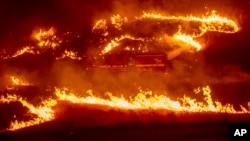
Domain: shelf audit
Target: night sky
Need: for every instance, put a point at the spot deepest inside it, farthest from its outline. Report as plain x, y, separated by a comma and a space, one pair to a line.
20, 18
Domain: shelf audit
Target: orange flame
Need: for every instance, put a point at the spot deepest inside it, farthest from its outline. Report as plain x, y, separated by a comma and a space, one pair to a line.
115, 42
118, 21
18, 81
48, 39
188, 40
146, 100
100, 24
143, 100
44, 112
70, 54
212, 22
26, 49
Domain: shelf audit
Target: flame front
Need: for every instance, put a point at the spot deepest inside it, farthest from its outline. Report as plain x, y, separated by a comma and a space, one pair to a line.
212, 22
43, 112
70, 54
46, 40
143, 100
115, 42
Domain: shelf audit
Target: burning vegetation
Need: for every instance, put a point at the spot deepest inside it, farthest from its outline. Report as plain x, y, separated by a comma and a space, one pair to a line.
142, 42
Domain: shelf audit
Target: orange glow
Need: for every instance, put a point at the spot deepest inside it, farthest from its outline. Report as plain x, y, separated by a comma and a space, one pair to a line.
143, 100
18, 81
148, 100
100, 24
48, 39
115, 42
118, 21
212, 22
43, 112
69, 54
26, 49
188, 40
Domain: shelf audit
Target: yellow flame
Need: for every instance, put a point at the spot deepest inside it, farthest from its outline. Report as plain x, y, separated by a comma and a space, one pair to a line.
143, 100
146, 100
100, 24
212, 22
116, 42
24, 50
118, 21
188, 40
43, 112
70, 54
18, 81
48, 38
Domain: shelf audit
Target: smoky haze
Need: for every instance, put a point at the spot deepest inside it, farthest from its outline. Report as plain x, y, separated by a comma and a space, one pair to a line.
225, 58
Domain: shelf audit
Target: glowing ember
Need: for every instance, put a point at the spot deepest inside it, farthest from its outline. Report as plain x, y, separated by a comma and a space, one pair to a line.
143, 100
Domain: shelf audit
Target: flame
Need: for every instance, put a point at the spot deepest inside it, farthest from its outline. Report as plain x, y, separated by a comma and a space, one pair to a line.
43, 112
48, 39
143, 100
100, 24
18, 81
146, 100
188, 40
118, 21
24, 50
70, 54
212, 22
115, 42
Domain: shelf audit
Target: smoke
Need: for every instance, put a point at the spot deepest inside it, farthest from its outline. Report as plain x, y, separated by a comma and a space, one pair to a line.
189, 70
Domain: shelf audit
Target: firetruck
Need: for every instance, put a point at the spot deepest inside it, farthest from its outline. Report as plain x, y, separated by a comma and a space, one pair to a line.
127, 61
